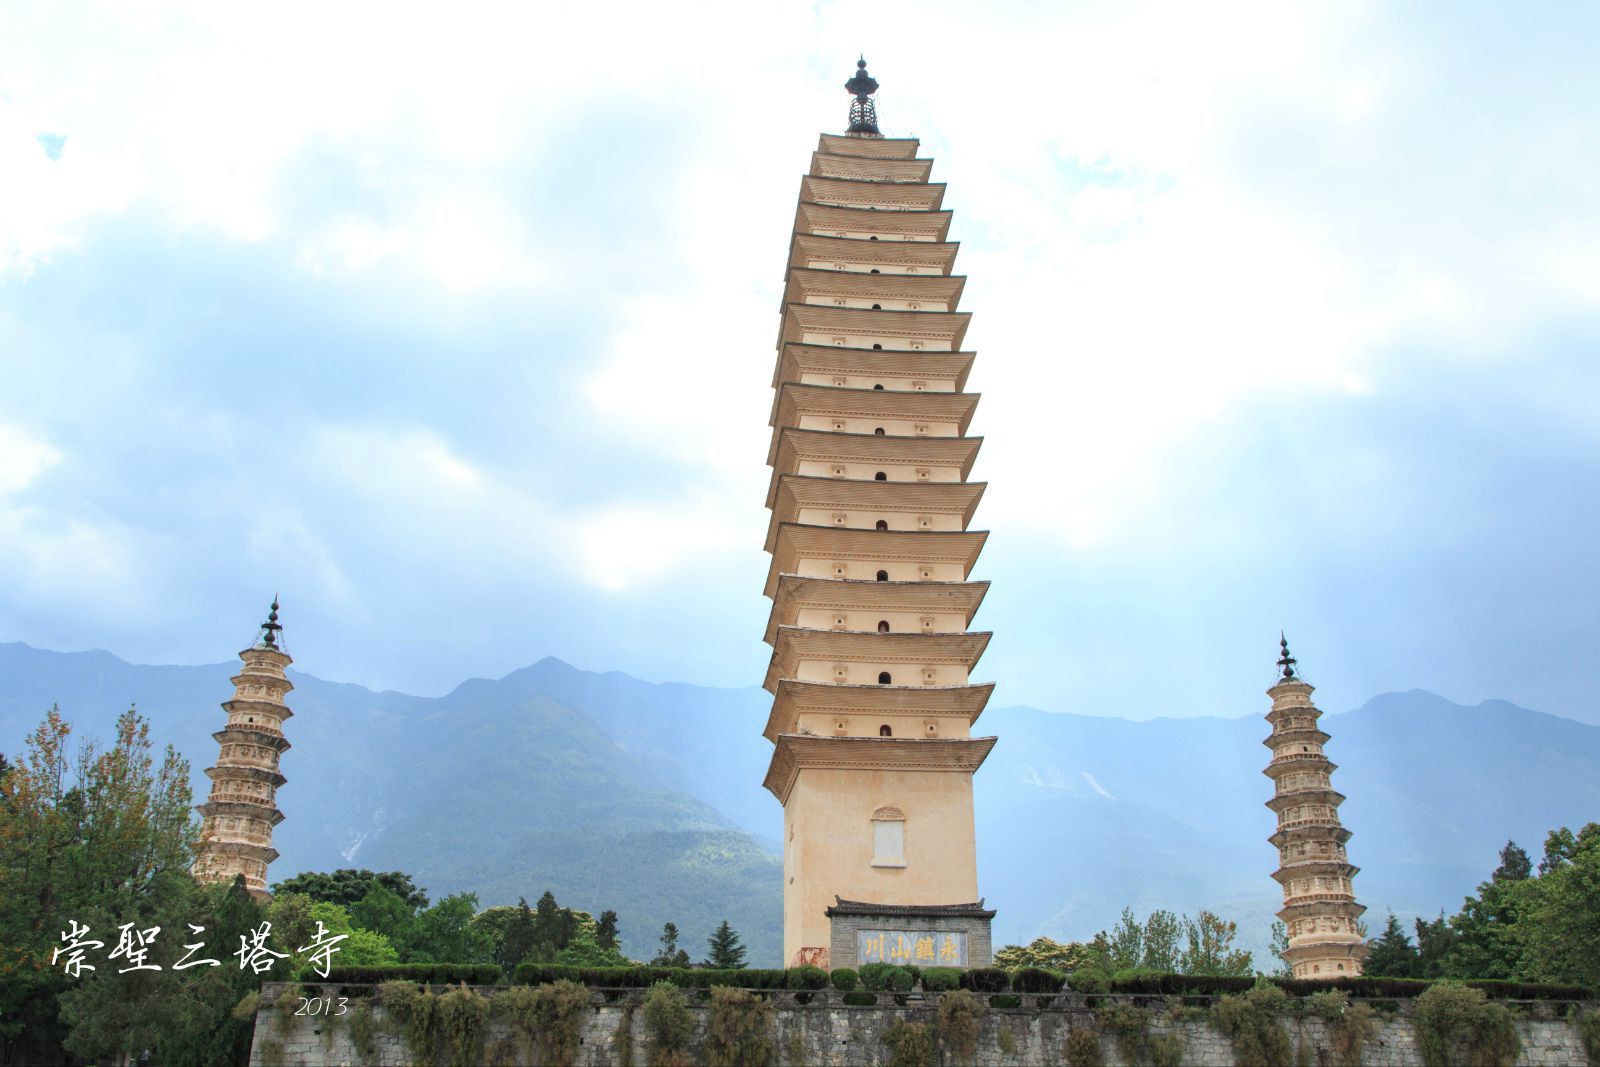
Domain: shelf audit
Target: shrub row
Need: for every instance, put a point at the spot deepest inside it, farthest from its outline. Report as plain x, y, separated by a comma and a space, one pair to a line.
682, 977
424, 973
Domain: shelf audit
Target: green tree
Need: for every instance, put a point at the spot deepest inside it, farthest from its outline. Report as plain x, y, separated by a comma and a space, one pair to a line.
1161, 933
670, 955
1048, 953
517, 942
1560, 927
446, 933
727, 951
1210, 948
1391, 954
1280, 950
605, 933
1515, 866
1125, 945
346, 886
1435, 938
385, 912
584, 951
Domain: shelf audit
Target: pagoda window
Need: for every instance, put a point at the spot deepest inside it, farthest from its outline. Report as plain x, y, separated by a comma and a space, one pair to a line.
881, 476
878, 387
873, 237
877, 348
882, 524
885, 731
838, 381
838, 470
877, 307
883, 626
884, 678
878, 432
875, 270
923, 474
883, 576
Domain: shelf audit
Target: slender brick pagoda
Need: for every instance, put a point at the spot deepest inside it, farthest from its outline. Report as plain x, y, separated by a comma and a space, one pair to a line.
1319, 903
236, 834
871, 552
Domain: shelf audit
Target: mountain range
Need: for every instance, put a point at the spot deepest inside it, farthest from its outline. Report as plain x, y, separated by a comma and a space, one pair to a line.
646, 798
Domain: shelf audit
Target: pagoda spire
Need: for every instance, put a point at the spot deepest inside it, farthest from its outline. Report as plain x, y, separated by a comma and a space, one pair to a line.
242, 809
863, 113
1320, 912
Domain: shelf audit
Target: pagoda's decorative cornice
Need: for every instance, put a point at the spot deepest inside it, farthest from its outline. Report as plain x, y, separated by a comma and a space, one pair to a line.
795, 401
796, 542
792, 698
260, 706
872, 195
258, 656
818, 286
796, 358
862, 168
835, 144
1331, 830
827, 446
796, 491
265, 811
795, 643
796, 752
1298, 736
947, 327
247, 734
936, 257
247, 849
1315, 795
796, 592
1299, 761
827, 220
1336, 904
240, 772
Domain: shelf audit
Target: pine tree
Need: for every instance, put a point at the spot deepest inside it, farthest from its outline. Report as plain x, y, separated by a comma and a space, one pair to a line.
727, 953
605, 931
1515, 865
670, 955
1391, 955
518, 940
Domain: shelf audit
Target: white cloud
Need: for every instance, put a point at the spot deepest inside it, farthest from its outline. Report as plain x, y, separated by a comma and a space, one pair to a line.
22, 459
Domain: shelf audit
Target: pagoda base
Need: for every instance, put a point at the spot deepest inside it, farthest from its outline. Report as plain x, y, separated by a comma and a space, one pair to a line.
922, 935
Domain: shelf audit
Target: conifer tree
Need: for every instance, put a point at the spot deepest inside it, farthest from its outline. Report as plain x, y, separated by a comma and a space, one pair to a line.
1391, 954
605, 931
727, 951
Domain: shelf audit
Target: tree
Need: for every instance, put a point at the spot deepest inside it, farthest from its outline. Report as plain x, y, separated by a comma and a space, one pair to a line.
518, 940
1560, 929
1391, 954
383, 911
446, 933
1558, 849
1515, 866
670, 955
1210, 948
1280, 950
1434, 940
605, 933
1126, 942
1048, 953
347, 886
1161, 933
727, 953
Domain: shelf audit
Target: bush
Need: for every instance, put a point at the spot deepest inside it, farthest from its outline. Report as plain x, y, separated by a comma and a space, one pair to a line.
1130, 1026
844, 979
1457, 1024
548, 1019
606, 977
461, 1017
1388, 988
910, 1044
738, 1029
1589, 1031
875, 976
424, 973
1164, 984
1083, 1049
960, 1018
1250, 1021
1037, 980
806, 978
985, 980
1349, 1025
670, 1025
941, 979
1499, 989
1088, 981
414, 1011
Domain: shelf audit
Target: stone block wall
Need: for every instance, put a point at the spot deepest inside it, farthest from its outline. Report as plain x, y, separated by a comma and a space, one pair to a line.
827, 1033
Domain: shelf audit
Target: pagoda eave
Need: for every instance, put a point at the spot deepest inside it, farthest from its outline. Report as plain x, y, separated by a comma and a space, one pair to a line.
880, 169
826, 220
796, 446
799, 491
937, 257
812, 285
949, 328
797, 592
795, 643
267, 812
799, 358
241, 773
795, 400
793, 753
865, 193
842, 144
245, 733
796, 543
794, 698
1305, 796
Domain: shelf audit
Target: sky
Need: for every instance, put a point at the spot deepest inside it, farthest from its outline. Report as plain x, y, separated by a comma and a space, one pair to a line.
452, 325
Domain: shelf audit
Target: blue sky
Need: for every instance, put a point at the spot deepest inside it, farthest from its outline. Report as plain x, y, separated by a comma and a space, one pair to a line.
1286, 317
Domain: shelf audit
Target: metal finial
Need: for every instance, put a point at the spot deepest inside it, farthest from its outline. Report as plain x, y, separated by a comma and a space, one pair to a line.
1285, 660
271, 628
863, 113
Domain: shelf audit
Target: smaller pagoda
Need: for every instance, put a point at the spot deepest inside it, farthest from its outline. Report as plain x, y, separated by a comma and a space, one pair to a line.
1326, 939
236, 834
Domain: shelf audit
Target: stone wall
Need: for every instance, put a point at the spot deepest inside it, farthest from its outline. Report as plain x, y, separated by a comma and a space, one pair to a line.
825, 1031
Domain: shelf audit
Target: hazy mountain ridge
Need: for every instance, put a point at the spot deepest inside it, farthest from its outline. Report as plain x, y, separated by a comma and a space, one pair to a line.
644, 797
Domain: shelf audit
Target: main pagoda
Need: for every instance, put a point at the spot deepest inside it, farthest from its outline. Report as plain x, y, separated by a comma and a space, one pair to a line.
238, 816
1320, 912
872, 708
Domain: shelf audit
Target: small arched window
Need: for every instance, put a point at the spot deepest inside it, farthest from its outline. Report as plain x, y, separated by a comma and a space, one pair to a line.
885, 731
874, 237
883, 626
879, 387
884, 678
877, 348
883, 524
883, 576
877, 307
878, 432
875, 270
881, 476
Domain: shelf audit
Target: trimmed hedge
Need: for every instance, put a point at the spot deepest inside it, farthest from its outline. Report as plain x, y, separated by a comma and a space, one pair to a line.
1177, 984
806, 978
941, 979
845, 979
1037, 980
1504, 989
881, 977
985, 980
423, 973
